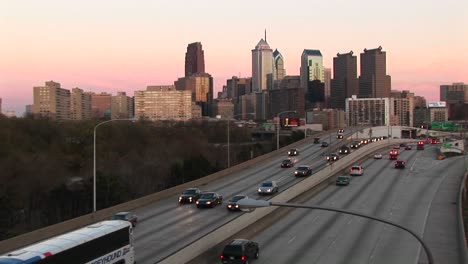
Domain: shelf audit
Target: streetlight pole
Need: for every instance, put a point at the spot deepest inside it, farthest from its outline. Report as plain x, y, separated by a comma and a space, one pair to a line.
250, 204
278, 125
94, 155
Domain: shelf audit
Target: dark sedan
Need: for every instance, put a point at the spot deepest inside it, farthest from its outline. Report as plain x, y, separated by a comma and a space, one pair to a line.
287, 163
399, 164
209, 199
303, 170
190, 195
232, 204
324, 144
333, 157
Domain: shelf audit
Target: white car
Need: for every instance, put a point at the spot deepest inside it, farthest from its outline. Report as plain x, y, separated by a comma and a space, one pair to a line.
268, 187
356, 170
378, 156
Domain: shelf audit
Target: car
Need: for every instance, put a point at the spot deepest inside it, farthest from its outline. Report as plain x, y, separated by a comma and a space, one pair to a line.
126, 216
303, 170
268, 187
408, 147
343, 180
333, 157
341, 130
324, 144
209, 199
399, 164
396, 147
393, 155
232, 203
287, 163
378, 156
293, 152
355, 144
317, 140
356, 170
190, 195
240, 251
339, 136
345, 150
364, 141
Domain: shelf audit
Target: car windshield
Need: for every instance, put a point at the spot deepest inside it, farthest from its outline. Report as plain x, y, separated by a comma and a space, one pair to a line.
267, 184
356, 168
342, 177
237, 198
302, 168
286, 161
293, 150
207, 196
118, 217
189, 192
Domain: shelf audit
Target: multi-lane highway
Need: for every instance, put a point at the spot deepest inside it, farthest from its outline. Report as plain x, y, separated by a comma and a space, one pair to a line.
165, 227
422, 197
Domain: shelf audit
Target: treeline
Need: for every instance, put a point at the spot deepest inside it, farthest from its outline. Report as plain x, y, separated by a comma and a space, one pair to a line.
46, 167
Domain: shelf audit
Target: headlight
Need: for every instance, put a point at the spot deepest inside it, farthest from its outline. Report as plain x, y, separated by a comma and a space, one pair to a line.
190, 198
197, 202
237, 206
259, 190
208, 202
180, 199
295, 172
229, 206
269, 190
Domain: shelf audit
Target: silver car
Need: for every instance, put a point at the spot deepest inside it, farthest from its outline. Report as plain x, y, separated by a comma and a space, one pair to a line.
356, 170
268, 187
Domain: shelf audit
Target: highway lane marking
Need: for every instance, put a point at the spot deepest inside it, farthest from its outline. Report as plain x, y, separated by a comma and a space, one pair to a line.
291, 240
412, 166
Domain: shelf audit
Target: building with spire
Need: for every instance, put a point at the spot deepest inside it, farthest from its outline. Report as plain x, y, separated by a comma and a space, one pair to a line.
278, 66
374, 81
262, 67
194, 59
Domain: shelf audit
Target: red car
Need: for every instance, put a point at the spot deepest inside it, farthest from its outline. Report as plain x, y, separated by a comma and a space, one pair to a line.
408, 147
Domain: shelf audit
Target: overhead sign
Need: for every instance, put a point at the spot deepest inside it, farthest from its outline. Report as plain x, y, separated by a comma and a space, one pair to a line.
436, 104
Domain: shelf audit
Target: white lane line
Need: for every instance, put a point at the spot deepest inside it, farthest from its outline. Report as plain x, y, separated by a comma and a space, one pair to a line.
412, 166
291, 240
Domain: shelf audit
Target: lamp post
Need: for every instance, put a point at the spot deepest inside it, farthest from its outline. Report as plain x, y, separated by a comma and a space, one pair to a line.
278, 125
249, 204
228, 138
94, 154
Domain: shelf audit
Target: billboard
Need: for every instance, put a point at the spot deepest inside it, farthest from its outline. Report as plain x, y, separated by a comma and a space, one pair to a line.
291, 122
436, 104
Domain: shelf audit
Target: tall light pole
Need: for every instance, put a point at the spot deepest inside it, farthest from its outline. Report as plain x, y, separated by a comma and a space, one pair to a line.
248, 203
278, 125
94, 163
228, 138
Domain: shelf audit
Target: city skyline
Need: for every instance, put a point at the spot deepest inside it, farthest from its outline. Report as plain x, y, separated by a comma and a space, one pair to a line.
120, 46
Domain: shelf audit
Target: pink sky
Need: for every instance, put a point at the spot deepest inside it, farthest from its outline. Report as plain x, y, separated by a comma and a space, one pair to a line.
110, 46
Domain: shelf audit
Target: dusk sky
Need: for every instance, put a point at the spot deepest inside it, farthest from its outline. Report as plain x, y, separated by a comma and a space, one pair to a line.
112, 45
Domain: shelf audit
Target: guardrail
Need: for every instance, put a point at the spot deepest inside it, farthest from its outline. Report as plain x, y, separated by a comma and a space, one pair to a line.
78, 222
462, 198
217, 236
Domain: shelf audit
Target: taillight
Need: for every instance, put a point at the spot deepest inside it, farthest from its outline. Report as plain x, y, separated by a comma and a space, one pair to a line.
222, 256
396, 163
243, 258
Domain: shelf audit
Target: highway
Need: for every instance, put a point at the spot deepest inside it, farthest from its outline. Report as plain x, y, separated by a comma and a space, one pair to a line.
165, 227
422, 197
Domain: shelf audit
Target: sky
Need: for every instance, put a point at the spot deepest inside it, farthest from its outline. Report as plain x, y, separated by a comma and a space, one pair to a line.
116, 45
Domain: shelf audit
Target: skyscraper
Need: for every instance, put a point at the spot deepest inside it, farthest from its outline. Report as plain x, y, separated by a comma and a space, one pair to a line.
311, 67
374, 81
278, 66
201, 86
327, 74
456, 96
262, 67
345, 82
194, 59
80, 105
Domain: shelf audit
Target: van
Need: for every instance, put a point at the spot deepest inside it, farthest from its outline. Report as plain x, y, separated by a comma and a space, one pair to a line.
240, 251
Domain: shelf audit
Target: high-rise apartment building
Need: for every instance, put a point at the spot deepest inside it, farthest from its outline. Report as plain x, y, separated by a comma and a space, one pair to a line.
345, 82
368, 111
419, 102
374, 81
121, 106
163, 103
403, 111
194, 59
278, 66
80, 105
101, 105
51, 101
262, 67
456, 96
223, 108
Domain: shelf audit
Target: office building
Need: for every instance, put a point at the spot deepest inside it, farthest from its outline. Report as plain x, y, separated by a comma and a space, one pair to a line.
374, 81
163, 103
289, 97
278, 66
327, 83
80, 105
51, 101
194, 59
328, 118
402, 111
419, 102
223, 108
315, 94
456, 97
438, 112
368, 111
345, 82
262, 67
121, 106
101, 105
311, 67
201, 87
